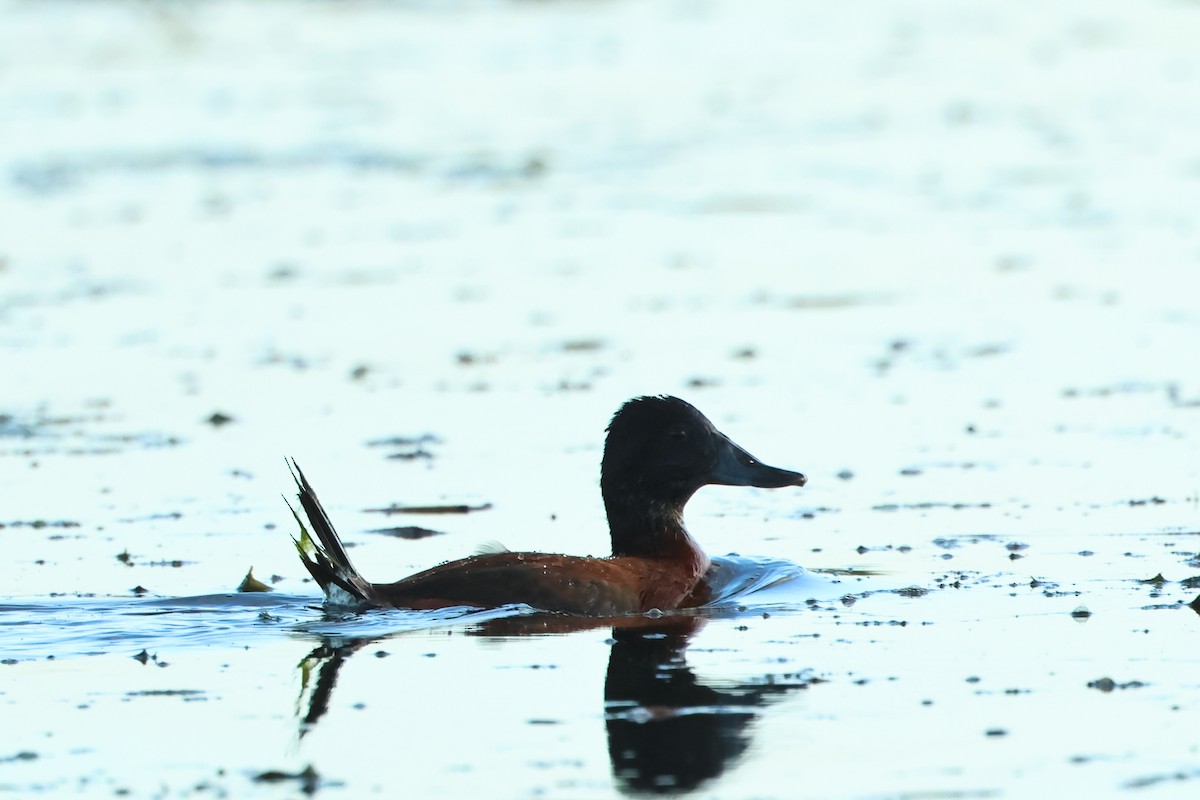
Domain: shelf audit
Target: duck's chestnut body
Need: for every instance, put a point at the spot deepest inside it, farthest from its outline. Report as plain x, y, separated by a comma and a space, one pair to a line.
659, 451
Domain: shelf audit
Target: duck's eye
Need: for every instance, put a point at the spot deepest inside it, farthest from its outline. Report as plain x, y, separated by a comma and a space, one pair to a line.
678, 434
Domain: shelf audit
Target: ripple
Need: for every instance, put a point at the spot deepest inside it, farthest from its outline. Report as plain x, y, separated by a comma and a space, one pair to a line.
93, 626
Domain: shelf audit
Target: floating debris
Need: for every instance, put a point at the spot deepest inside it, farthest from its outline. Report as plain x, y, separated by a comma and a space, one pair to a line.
308, 778
395, 508
412, 455
410, 448
1108, 684
38, 524
1149, 501
404, 441
583, 345
1127, 387
252, 584
171, 515
407, 532
927, 506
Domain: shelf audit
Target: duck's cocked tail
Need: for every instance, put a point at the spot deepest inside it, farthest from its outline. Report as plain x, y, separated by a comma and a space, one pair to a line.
327, 561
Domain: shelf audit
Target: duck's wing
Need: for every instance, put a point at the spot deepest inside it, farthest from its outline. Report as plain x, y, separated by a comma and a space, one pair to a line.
548, 582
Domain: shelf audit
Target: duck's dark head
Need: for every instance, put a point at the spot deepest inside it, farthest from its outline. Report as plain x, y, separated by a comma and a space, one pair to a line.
659, 451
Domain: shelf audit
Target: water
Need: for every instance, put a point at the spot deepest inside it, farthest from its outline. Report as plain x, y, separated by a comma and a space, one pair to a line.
941, 259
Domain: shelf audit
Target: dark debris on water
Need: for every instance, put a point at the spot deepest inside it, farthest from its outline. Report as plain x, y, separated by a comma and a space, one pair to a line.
308, 778
146, 658
395, 508
407, 532
38, 524
1108, 684
407, 448
926, 506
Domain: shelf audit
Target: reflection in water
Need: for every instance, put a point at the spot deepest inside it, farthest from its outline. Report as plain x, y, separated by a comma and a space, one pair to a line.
327, 661
667, 733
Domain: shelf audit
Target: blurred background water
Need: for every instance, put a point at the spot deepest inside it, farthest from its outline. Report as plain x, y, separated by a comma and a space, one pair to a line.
940, 257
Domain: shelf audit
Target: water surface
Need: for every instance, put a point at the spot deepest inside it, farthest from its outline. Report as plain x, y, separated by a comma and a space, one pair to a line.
941, 259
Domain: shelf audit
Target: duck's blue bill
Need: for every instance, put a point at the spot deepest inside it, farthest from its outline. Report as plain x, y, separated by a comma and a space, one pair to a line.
736, 467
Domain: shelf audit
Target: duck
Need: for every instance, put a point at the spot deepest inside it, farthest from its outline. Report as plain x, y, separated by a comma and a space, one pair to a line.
658, 452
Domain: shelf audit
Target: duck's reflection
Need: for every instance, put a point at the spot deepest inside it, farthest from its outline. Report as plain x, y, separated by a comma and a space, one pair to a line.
667, 732
325, 661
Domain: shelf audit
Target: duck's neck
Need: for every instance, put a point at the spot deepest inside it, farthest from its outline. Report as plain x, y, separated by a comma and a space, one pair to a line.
649, 528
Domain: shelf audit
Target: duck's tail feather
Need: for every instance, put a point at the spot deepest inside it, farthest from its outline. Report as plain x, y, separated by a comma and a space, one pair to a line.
327, 561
